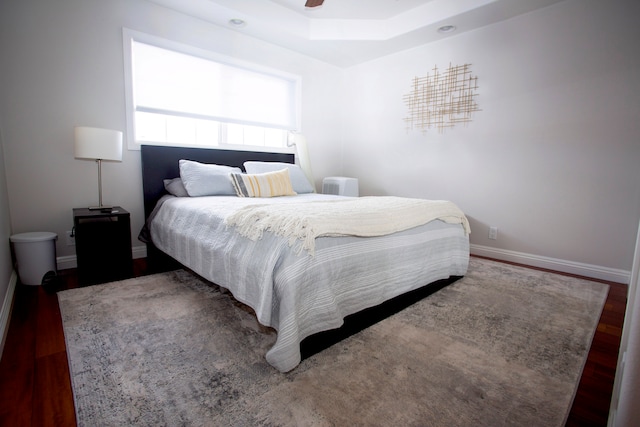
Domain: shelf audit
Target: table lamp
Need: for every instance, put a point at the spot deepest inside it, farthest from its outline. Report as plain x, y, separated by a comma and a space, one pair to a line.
98, 144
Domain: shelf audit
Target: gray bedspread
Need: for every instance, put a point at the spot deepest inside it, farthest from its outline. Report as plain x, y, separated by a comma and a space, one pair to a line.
299, 294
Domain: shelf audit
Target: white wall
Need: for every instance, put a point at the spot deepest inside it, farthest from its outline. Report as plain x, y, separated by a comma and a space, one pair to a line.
7, 275
63, 66
6, 268
552, 158
625, 399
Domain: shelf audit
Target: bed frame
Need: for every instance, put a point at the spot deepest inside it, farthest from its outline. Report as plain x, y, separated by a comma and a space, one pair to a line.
161, 162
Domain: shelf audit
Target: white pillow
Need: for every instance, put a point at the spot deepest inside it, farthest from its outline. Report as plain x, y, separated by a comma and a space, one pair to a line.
175, 187
299, 180
201, 179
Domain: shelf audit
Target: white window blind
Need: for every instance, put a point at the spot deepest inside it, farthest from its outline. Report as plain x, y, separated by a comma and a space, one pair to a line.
180, 95
174, 83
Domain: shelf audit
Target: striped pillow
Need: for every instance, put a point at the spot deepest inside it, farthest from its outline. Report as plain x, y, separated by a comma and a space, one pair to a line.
268, 184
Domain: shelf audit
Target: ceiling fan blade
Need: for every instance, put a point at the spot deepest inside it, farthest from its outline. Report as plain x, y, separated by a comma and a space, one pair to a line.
313, 3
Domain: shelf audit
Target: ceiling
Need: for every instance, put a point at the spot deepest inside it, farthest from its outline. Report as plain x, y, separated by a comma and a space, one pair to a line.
353, 9
347, 32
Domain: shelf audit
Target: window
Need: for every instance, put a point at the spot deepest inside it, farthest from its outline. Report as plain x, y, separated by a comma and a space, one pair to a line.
180, 95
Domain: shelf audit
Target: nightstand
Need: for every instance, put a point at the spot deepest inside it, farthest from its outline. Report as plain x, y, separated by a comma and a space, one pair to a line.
103, 245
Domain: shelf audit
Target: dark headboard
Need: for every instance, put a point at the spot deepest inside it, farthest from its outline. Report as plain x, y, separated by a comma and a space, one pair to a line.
161, 162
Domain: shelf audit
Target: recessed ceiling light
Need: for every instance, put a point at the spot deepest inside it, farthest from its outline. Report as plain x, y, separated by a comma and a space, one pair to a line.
237, 22
447, 29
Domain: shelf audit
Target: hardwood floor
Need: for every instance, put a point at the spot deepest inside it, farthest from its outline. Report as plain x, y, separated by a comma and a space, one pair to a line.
35, 387
593, 398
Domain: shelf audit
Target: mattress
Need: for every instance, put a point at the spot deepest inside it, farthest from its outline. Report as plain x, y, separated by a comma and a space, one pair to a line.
295, 292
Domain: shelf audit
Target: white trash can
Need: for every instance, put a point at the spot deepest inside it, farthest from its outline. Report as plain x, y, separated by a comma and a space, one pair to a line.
35, 255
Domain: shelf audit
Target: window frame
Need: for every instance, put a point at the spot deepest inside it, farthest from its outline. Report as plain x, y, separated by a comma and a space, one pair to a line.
130, 36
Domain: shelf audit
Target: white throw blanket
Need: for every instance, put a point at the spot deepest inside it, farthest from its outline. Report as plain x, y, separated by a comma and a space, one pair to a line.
363, 217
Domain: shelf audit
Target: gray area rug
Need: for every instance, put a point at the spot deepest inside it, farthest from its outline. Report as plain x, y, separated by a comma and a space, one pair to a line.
503, 346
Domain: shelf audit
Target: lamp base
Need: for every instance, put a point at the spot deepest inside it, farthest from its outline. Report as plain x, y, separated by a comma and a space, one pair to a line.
101, 208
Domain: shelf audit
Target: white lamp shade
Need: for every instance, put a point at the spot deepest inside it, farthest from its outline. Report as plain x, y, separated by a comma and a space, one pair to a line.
96, 143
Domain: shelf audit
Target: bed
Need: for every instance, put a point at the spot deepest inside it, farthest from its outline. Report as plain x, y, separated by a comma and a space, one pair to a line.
312, 294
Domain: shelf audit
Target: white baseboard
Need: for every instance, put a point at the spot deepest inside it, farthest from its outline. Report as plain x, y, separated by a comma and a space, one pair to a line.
581, 269
5, 311
66, 262
70, 261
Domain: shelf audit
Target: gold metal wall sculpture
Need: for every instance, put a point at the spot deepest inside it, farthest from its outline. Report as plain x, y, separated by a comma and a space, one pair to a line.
441, 100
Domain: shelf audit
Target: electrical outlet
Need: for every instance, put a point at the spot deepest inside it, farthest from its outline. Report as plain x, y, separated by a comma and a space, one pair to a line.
71, 238
493, 233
